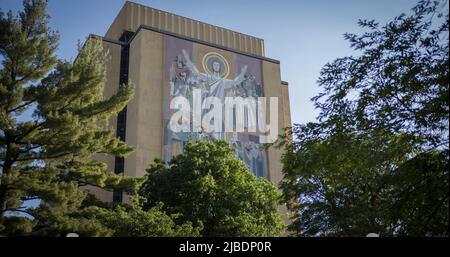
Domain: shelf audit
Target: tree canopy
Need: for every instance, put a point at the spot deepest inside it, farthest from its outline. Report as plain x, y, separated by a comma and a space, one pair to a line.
210, 187
376, 159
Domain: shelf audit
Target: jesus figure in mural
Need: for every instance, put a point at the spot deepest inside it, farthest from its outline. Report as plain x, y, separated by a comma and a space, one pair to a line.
216, 83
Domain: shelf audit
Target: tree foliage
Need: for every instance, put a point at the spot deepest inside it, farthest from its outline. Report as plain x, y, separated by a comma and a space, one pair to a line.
53, 119
212, 188
377, 158
399, 80
133, 221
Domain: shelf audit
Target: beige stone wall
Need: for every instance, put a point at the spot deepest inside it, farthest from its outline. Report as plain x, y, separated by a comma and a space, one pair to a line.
133, 15
274, 88
286, 106
144, 113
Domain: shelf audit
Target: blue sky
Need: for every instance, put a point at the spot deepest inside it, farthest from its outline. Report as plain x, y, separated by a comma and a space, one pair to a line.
303, 34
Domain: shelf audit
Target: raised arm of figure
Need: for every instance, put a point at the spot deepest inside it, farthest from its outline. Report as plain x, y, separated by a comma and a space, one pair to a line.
189, 63
240, 78
192, 68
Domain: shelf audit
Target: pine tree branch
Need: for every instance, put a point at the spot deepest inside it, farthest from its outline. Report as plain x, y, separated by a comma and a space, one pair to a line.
16, 210
20, 106
43, 157
84, 183
23, 135
24, 198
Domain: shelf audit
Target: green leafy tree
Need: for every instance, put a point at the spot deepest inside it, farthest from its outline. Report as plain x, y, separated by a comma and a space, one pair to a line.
133, 221
377, 158
210, 187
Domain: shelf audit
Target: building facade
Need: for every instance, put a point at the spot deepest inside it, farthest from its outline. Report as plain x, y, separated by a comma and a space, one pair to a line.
167, 56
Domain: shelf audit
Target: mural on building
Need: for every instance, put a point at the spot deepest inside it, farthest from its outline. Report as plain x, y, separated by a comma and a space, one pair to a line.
213, 72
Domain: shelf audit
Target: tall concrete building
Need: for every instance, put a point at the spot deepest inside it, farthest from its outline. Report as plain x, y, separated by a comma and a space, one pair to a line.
165, 56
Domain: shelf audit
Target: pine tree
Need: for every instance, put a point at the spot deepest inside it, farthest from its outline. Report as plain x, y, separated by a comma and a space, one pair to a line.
47, 156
